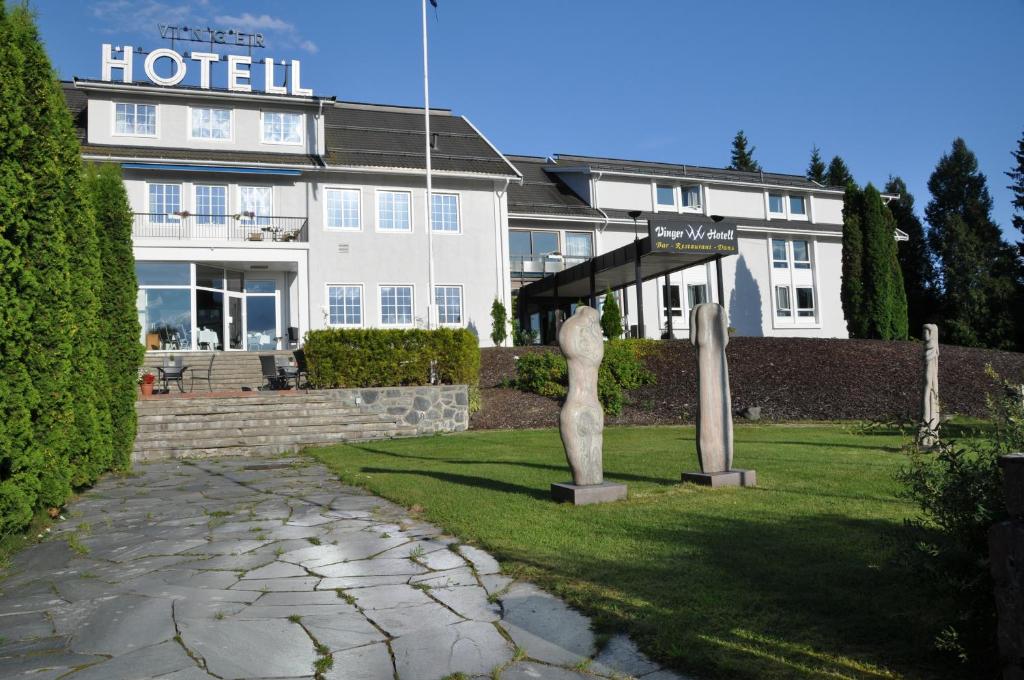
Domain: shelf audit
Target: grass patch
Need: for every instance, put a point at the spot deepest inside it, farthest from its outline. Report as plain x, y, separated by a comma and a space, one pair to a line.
16, 541
797, 578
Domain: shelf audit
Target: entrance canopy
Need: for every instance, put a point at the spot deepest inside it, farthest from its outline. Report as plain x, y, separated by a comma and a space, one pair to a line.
673, 243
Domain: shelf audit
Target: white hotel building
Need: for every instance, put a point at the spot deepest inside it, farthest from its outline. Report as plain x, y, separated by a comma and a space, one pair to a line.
261, 216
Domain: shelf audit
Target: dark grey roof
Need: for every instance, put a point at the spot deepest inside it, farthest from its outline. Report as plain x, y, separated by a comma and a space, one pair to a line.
361, 135
687, 171
367, 135
542, 193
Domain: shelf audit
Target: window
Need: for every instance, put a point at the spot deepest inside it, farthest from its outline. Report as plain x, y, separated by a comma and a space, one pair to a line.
691, 197
780, 260
520, 243
211, 123
776, 205
449, 304
782, 305
444, 212
280, 127
135, 119
670, 299
666, 196
342, 207
801, 255
163, 273
345, 305
393, 211
798, 206
579, 244
396, 305
211, 204
164, 202
696, 294
805, 302
256, 204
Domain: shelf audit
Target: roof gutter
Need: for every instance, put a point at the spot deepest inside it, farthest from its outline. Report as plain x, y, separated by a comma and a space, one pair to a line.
676, 178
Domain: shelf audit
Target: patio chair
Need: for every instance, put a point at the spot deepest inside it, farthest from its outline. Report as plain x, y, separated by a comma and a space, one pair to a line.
202, 374
275, 381
289, 371
172, 371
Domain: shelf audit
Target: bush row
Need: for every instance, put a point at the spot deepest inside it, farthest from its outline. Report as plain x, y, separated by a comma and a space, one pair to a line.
373, 357
69, 346
622, 368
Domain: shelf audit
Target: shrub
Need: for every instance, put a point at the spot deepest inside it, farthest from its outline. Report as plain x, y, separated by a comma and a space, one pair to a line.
547, 373
373, 357
958, 487
499, 323
611, 317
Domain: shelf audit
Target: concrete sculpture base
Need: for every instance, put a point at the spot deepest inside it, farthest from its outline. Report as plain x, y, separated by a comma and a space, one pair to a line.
718, 480
587, 494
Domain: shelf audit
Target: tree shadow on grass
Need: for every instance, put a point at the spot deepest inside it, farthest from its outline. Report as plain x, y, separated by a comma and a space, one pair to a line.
486, 483
812, 597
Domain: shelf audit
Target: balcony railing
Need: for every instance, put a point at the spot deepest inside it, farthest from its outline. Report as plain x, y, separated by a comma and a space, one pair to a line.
539, 266
239, 227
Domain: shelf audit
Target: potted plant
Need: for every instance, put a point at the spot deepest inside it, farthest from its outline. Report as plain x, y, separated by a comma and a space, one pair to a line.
146, 380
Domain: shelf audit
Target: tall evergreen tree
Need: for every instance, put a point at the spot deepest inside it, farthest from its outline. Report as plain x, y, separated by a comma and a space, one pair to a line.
20, 459
915, 259
743, 158
611, 317
1016, 175
816, 170
122, 351
885, 301
979, 275
852, 291
838, 174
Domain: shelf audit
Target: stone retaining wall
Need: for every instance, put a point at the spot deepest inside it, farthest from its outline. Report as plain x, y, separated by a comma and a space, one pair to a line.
440, 408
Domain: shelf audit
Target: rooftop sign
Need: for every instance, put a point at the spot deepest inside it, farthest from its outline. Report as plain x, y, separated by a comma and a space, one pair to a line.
239, 69
681, 235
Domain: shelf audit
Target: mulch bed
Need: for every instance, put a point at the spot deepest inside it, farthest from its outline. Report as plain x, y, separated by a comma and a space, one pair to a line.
789, 378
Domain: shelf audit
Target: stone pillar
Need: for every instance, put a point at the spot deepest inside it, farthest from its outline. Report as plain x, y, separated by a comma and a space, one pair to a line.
929, 426
709, 333
1006, 555
581, 421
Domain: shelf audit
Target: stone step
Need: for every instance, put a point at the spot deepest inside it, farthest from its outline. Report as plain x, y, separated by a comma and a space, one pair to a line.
247, 440
248, 450
148, 431
261, 409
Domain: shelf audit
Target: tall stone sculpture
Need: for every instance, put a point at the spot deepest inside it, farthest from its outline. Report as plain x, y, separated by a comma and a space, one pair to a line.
927, 437
710, 334
582, 418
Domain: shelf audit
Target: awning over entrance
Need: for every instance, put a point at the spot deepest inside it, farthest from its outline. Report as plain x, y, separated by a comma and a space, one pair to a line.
673, 244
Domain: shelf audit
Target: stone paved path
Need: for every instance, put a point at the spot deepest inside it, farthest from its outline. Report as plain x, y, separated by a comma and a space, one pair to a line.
270, 568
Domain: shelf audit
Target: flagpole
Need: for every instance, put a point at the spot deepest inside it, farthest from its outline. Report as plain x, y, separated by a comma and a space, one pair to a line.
428, 207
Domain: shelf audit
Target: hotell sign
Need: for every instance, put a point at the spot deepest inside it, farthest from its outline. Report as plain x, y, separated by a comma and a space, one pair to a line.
679, 235
239, 69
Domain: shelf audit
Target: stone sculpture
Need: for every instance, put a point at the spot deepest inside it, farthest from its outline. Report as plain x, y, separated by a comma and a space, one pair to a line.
928, 435
581, 421
709, 333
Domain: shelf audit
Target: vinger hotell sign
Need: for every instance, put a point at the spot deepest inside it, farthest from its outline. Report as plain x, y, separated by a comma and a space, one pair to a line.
239, 66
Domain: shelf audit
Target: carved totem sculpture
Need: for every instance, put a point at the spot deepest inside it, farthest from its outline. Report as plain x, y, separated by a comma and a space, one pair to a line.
930, 392
709, 332
582, 418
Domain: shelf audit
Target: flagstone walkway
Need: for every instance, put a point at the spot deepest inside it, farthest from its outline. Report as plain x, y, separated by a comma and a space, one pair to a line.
270, 568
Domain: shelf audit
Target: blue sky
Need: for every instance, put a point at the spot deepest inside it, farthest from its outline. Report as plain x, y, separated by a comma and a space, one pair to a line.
886, 85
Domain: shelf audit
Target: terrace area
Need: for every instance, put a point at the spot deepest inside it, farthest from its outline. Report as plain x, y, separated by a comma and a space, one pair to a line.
238, 227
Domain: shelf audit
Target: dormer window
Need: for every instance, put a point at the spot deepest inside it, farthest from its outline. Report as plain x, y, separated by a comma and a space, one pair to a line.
137, 120
209, 123
690, 197
798, 206
788, 206
666, 196
281, 127
776, 204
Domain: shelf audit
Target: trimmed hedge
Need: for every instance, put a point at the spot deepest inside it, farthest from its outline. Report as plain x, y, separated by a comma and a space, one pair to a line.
374, 357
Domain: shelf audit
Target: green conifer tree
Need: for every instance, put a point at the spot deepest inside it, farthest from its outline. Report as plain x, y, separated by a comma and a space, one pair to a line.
122, 351
979, 272
743, 158
838, 174
852, 291
1016, 175
611, 317
885, 303
20, 460
499, 323
915, 259
816, 170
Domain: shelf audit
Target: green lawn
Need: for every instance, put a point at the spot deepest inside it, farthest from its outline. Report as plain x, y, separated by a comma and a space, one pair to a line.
797, 578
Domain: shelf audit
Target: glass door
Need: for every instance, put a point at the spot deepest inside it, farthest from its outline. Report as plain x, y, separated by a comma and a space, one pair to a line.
235, 321
262, 330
